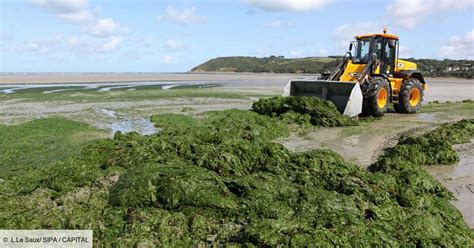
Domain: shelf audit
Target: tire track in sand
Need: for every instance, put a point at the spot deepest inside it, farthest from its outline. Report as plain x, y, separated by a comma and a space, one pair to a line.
392, 140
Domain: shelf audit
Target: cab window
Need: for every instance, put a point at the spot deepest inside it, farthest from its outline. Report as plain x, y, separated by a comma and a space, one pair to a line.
361, 55
389, 56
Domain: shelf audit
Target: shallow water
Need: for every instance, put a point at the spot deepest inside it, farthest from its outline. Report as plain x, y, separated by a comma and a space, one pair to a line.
141, 125
465, 167
100, 87
459, 179
54, 91
116, 87
127, 124
108, 112
9, 91
167, 87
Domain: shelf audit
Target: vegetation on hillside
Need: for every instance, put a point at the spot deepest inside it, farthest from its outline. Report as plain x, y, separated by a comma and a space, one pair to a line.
445, 68
269, 64
279, 64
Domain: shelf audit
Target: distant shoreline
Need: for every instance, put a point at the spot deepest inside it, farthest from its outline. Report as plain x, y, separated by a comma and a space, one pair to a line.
87, 78
77, 78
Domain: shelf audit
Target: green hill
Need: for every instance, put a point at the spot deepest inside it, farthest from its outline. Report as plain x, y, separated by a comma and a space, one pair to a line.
280, 64
445, 68
275, 64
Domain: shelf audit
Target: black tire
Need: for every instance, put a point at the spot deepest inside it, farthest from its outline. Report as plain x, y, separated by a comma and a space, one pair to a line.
373, 96
408, 102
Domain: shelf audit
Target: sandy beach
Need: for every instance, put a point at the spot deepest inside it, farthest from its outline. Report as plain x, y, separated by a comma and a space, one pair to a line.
439, 89
52, 78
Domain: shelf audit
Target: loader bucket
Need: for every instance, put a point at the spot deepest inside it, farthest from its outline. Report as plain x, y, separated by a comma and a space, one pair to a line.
347, 96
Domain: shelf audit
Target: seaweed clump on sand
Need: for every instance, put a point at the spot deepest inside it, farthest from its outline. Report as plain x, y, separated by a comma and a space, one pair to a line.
406, 159
221, 180
303, 110
432, 148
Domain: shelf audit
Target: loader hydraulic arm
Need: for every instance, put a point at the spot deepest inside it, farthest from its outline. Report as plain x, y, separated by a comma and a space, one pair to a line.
336, 75
369, 69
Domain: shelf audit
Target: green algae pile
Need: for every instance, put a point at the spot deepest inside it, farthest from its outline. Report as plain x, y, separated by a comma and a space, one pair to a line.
432, 148
221, 180
303, 110
26, 144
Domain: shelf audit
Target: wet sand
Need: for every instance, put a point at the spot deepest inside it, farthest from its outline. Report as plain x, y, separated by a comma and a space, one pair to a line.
54, 78
440, 89
459, 179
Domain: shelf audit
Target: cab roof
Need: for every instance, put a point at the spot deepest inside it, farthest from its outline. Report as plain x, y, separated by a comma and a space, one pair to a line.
390, 36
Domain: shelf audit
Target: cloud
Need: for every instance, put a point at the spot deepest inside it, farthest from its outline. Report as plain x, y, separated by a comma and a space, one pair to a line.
77, 41
85, 44
39, 46
168, 59
345, 33
98, 39
142, 42
288, 5
105, 27
173, 45
111, 44
459, 47
279, 24
76, 11
182, 17
77, 17
6, 36
100, 35
61, 6
58, 45
132, 55
409, 13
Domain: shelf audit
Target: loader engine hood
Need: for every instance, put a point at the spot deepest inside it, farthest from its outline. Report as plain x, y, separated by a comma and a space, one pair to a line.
403, 65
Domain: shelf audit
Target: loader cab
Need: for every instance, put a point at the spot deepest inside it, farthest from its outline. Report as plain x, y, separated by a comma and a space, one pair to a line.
383, 47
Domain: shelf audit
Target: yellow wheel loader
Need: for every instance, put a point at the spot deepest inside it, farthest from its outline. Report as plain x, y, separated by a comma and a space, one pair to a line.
368, 79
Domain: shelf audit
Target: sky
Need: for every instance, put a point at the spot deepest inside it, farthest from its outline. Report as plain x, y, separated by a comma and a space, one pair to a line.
175, 36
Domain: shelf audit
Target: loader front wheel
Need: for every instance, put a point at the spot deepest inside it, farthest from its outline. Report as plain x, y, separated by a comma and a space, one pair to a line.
410, 96
376, 97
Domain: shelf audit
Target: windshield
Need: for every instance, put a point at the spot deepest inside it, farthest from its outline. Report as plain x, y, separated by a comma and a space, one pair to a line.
362, 49
361, 54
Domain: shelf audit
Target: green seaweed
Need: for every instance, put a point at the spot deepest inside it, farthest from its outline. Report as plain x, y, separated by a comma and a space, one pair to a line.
187, 109
164, 120
170, 187
26, 144
432, 148
221, 180
301, 109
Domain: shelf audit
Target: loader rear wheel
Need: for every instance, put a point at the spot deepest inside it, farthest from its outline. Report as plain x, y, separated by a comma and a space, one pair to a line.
376, 97
410, 96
